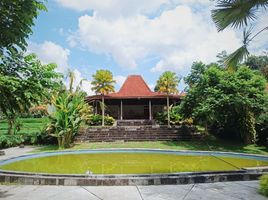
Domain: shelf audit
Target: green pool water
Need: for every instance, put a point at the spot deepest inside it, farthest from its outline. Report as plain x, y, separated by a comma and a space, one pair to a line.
129, 163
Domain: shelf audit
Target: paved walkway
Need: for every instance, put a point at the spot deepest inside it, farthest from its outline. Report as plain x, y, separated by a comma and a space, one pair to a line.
16, 151
215, 191
246, 190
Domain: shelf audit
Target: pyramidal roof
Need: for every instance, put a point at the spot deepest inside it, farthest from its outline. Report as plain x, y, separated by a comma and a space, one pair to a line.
134, 85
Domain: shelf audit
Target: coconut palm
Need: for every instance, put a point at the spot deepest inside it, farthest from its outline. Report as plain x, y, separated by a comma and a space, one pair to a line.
103, 84
167, 83
237, 14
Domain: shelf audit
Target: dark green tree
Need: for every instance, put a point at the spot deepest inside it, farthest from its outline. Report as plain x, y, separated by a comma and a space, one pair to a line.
16, 20
24, 81
258, 63
229, 102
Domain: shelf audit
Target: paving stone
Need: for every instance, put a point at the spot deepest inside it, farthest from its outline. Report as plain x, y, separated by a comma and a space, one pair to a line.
217, 191
165, 192
115, 192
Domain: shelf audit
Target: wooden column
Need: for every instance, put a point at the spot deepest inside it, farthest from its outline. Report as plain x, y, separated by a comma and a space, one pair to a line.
121, 110
150, 110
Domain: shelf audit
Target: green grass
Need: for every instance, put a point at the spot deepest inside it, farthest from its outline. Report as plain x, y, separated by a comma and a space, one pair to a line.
29, 125
208, 144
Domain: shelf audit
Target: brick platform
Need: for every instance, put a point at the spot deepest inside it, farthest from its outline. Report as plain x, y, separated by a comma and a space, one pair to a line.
137, 133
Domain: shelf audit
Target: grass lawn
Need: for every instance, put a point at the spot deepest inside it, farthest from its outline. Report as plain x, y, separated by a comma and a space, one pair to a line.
208, 144
29, 125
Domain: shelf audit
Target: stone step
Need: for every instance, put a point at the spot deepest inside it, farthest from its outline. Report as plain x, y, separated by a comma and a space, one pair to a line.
134, 122
141, 133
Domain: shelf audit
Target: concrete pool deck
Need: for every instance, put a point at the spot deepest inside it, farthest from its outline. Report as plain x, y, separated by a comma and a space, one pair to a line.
247, 190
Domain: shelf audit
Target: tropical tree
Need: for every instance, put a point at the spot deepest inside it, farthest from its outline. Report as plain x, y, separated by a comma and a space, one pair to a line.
258, 63
168, 83
16, 19
238, 14
227, 102
24, 81
103, 84
67, 110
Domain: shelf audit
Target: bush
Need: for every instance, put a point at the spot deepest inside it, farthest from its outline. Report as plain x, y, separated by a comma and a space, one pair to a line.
264, 185
26, 138
10, 140
175, 117
39, 137
96, 120
262, 129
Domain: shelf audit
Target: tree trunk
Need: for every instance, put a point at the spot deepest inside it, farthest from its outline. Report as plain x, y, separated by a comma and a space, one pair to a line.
102, 98
168, 110
10, 126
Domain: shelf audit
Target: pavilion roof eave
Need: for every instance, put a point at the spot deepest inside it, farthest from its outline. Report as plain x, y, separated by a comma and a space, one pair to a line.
98, 97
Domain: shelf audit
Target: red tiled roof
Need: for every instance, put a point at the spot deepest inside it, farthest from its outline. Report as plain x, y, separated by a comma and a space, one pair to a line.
134, 87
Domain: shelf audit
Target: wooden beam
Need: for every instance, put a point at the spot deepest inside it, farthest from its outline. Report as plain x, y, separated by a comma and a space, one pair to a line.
150, 110
121, 109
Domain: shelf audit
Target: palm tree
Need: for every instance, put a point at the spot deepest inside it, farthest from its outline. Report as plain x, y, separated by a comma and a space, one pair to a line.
167, 83
238, 14
103, 84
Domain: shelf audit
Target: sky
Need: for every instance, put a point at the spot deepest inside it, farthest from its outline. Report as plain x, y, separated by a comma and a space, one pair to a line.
133, 37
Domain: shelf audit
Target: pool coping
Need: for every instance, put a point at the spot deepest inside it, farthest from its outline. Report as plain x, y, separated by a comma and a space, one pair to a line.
244, 174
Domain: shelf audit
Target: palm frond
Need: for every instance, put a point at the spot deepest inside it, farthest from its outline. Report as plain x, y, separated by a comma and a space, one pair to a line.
235, 13
236, 57
240, 54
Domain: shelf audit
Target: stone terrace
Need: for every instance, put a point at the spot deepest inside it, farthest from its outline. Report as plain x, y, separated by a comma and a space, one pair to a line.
137, 133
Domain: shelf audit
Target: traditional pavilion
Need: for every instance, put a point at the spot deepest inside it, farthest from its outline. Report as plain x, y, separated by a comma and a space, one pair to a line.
134, 100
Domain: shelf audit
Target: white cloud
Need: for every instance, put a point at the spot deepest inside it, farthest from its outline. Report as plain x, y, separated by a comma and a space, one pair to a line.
151, 86
86, 85
49, 52
114, 8
177, 37
119, 80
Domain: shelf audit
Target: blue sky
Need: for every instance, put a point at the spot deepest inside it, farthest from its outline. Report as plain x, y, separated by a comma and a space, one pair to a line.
132, 37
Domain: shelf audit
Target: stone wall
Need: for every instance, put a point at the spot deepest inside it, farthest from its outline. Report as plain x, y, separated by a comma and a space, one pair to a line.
137, 133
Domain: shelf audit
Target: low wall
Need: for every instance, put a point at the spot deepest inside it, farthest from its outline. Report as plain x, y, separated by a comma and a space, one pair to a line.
116, 180
137, 133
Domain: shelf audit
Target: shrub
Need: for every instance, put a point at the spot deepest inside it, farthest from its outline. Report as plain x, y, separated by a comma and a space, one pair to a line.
264, 185
96, 120
175, 117
7, 140
262, 129
67, 112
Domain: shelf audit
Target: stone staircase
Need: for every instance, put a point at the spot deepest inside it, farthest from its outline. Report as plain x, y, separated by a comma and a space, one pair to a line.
135, 122
137, 133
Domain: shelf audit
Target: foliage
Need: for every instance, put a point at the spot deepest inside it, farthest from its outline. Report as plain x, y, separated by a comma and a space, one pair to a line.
264, 185
39, 111
167, 84
68, 111
96, 120
10, 140
16, 19
29, 132
227, 102
197, 70
103, 83
175, 117
24, 81
238, 14
258, 63
262, 129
